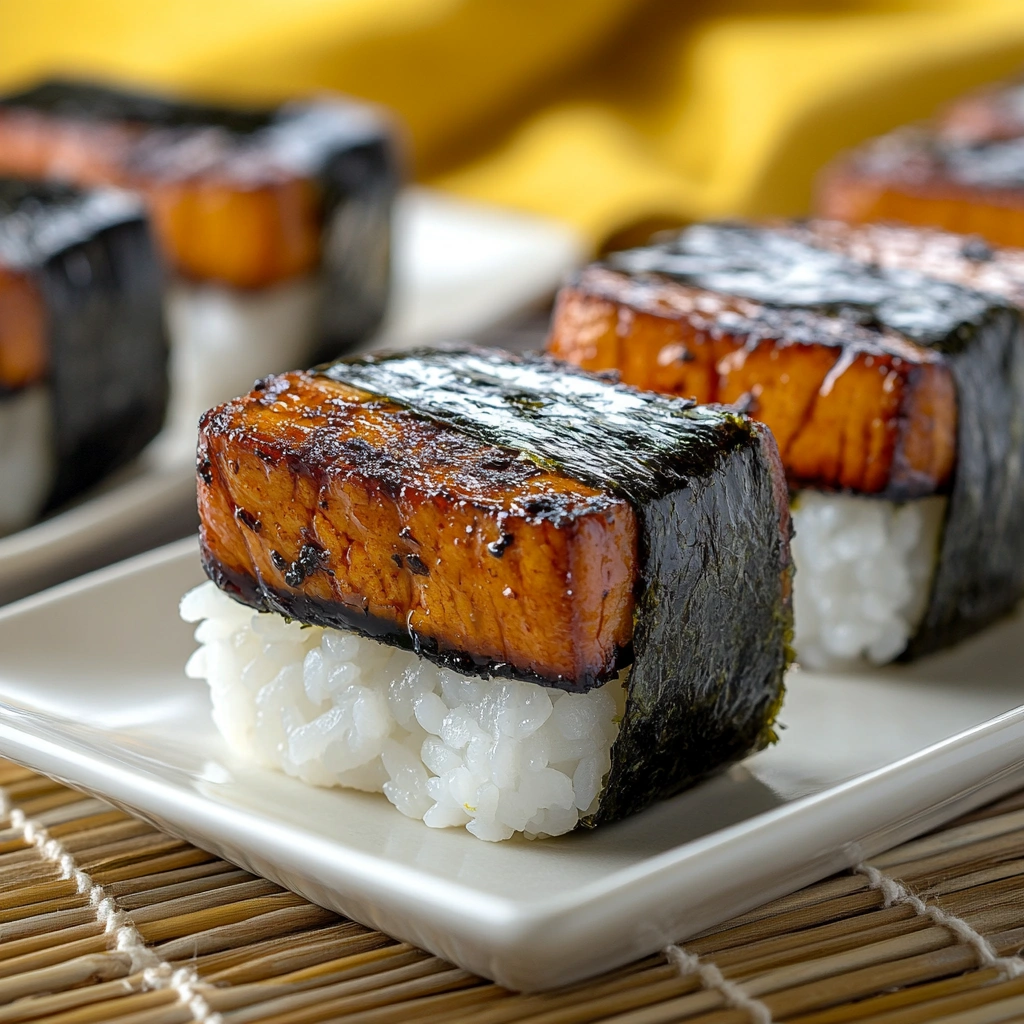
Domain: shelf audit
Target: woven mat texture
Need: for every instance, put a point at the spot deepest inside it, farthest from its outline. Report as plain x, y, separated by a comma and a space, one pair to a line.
105, 918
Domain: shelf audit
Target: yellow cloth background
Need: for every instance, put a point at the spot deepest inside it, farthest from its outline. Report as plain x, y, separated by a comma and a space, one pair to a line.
609, 114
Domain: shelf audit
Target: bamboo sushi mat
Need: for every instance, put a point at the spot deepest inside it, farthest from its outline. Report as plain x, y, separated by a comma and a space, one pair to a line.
105, 918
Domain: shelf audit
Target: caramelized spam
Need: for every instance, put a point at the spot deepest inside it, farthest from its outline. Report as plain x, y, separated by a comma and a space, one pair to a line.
23, 345
235, 196
354, 512
877, 374
963, 171
850, 408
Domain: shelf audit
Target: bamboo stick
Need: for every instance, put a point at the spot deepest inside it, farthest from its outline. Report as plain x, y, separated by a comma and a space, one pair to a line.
277, 922
306, 955
951, 839
65, 901
161, 1006
105, 876
207, 919
322, 937
94, 967
276, 1012
989, 1013
207, 899
56, 1001
905, 1000
145, 882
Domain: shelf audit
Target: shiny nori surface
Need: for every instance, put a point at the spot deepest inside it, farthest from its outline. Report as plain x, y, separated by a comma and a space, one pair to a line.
919, 156
346, 148
771, 267
634, 443
38, 220
94, 101
713, 618
980, 570
92, 258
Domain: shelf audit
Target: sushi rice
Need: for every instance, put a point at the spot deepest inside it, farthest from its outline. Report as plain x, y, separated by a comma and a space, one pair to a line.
864, 569
28, 460
223, 339
496, 756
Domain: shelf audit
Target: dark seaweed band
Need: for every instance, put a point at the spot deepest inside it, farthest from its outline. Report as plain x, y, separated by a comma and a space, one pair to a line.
39, 220
638, 444
771, 267
980, 570
713, 618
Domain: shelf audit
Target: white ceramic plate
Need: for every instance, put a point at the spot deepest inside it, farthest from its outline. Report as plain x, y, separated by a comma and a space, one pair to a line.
148, 503
92, 692
460, 268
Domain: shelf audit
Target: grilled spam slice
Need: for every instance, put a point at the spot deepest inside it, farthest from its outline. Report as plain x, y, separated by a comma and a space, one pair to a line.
850, 408
351, 511
242, 197
913, 178
488, 512
23, 348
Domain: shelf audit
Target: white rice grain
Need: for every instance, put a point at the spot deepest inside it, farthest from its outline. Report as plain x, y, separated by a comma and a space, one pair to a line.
28, 460
495, 756
864, 569
223, 339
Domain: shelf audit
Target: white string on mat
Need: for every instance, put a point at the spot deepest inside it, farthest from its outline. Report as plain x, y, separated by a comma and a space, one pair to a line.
894, 892
689, 964
156, 973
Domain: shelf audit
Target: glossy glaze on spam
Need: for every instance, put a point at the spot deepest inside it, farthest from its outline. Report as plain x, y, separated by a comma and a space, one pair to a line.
507, 515
875, 378
248, 198
420, 534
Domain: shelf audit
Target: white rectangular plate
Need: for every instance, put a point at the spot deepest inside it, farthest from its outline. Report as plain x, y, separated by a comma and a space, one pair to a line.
92, 692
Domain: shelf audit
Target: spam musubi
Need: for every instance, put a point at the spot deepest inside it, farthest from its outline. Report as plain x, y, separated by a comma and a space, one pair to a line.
511, 595
896, 398
274, 223
83, 354
963, 171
